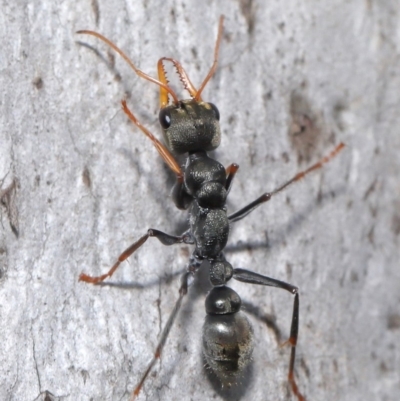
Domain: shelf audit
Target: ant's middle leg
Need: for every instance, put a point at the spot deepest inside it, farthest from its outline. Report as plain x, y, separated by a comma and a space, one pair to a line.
164, 238
231, 171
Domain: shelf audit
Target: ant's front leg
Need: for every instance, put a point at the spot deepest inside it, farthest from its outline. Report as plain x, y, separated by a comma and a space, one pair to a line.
164, 238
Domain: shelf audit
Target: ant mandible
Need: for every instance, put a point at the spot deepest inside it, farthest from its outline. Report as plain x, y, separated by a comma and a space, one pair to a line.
202, 186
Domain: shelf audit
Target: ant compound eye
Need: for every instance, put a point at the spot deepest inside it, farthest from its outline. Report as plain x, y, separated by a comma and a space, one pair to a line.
215, 110
165, 118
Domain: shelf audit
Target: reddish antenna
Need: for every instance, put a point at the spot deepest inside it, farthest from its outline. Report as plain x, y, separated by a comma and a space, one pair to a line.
141, 74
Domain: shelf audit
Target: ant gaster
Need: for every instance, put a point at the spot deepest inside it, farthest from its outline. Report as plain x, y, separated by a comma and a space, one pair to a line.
192, 127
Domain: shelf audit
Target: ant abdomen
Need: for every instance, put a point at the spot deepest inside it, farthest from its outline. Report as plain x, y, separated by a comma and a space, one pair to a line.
227, 335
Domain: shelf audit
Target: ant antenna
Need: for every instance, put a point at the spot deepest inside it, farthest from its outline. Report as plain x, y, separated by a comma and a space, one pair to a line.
215, 63
129, 61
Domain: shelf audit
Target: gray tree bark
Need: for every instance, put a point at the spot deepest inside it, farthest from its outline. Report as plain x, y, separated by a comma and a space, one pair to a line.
79, 184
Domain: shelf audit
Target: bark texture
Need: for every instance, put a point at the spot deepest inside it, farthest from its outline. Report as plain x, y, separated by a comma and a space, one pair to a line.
79, 184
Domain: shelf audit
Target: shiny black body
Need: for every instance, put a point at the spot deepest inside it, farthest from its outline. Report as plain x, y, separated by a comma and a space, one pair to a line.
227, 333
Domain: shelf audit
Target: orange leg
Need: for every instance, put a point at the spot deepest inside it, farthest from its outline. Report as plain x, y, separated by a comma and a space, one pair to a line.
231, 171
240, 214
164, 238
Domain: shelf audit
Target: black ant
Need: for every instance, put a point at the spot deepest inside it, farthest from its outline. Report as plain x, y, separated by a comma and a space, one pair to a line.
202, 186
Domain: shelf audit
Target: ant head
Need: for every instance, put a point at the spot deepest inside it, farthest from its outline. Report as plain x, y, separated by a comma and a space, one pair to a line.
190, 125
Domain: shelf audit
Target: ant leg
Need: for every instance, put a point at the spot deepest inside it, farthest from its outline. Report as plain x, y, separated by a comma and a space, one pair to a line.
231, 171
250, 277
180, 197
164, 335
164, 238
240, 214
294, 331
268, 195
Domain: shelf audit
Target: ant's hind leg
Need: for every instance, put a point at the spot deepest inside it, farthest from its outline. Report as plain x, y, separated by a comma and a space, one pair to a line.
250, 277
164, 238
164, 335
294, 331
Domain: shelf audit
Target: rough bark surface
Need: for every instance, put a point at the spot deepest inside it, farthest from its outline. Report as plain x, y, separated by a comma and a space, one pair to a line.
79, 184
